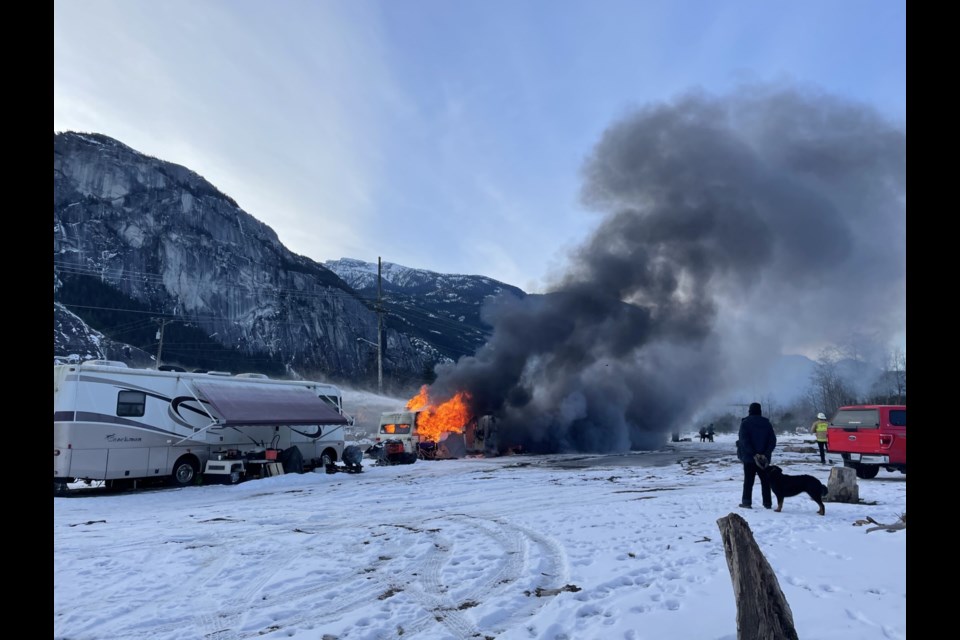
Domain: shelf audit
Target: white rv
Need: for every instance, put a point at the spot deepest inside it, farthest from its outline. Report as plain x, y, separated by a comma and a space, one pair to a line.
402, 427
122, 425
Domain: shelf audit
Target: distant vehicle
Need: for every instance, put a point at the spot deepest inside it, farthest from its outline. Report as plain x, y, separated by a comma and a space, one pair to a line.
870, 437
123, 425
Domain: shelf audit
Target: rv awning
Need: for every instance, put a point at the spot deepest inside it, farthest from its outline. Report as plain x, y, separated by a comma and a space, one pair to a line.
240, 405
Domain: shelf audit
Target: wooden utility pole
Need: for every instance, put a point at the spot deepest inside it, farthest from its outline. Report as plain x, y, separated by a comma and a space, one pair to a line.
379, 326
163, 323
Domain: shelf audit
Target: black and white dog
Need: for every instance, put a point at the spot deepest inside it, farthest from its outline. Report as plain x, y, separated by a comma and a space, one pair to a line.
784, 486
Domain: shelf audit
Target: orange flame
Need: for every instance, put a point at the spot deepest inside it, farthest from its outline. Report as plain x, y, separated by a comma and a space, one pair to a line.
433, 420
420, 400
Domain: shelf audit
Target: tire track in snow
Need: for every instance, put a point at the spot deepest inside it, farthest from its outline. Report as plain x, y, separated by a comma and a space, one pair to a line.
515, 558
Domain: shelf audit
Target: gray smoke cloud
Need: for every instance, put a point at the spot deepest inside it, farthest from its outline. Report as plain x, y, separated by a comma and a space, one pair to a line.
736, 227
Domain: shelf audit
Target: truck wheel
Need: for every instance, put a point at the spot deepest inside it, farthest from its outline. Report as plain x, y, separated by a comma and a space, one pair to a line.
867, 471
184, 472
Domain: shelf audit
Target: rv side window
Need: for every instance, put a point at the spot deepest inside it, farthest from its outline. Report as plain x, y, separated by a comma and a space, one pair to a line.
395, 429
131, 403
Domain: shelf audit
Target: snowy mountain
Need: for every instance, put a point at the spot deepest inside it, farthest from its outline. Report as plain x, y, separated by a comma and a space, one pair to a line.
435, 308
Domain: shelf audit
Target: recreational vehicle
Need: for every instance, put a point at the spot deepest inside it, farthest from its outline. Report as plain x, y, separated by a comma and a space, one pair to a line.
400, 426
400, 429
124, 425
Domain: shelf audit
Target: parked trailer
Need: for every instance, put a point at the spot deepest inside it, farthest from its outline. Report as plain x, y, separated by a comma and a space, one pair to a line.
124, 425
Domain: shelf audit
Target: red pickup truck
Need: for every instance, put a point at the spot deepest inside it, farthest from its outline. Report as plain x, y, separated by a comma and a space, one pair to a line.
869, 437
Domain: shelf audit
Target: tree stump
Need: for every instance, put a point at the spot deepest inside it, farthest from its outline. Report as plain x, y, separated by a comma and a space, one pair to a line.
842, 486
762, 609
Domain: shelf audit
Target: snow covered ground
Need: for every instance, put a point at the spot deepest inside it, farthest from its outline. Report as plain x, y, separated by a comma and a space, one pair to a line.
558, 547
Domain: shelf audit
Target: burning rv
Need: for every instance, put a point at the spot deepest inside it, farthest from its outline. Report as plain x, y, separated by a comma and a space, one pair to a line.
434, 431
402, 439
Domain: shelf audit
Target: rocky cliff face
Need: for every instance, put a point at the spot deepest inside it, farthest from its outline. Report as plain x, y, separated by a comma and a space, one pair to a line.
74, 341
138, 240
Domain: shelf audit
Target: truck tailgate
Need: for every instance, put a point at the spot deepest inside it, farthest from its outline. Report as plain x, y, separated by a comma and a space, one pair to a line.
890, 443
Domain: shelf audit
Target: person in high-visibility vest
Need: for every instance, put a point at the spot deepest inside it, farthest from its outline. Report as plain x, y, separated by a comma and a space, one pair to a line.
819, 427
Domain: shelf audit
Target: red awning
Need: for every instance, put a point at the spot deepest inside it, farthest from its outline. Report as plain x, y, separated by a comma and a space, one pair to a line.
239, 404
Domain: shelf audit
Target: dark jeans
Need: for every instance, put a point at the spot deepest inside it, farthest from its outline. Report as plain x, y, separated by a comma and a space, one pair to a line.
749, 473
823, 451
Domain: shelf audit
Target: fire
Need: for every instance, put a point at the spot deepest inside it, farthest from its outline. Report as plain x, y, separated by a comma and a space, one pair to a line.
452, 415
420, 400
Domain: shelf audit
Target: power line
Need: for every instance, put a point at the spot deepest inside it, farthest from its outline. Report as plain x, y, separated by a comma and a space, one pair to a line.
404, 311
400, 309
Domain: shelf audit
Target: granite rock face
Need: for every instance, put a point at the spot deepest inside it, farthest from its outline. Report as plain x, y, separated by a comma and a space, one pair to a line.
74, 342
170, 246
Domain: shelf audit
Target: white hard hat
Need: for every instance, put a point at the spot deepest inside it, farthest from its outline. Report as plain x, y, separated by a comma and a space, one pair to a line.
820, 416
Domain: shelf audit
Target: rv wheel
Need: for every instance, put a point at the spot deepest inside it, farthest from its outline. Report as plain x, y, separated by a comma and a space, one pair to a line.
184, 471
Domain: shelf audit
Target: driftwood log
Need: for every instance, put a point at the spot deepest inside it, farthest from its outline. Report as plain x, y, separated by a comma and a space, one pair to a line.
901, 523
762, 609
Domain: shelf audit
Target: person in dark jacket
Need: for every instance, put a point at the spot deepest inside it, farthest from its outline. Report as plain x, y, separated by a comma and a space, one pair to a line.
756, 436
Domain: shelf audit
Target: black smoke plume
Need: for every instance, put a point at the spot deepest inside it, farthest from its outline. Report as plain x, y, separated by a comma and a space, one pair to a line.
735, 227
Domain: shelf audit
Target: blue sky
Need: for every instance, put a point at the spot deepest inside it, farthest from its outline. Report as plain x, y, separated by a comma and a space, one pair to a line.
440, 135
